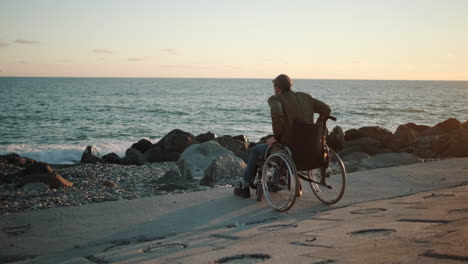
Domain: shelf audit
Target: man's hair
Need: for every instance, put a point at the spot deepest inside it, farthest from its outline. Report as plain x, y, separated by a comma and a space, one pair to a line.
283, 82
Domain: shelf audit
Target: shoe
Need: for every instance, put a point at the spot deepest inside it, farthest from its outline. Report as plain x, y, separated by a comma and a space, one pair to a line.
241, 191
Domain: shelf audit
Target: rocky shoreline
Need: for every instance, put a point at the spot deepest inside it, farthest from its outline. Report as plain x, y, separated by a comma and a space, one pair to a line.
181, 162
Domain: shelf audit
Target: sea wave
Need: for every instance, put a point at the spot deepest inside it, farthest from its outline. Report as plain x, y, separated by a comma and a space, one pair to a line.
405, 110
63, 154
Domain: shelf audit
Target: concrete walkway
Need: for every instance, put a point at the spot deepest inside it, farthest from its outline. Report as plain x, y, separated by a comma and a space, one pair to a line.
206, 226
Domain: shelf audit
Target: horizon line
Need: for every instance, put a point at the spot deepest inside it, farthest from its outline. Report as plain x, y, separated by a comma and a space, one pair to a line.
231, 78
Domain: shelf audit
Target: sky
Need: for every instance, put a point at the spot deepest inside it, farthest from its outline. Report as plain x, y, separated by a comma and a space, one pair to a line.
358, 39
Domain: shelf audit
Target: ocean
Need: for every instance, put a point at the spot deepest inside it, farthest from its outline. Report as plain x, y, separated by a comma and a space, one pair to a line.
53, 119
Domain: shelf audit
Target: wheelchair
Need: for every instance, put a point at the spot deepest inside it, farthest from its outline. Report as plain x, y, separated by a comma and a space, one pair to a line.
279, 181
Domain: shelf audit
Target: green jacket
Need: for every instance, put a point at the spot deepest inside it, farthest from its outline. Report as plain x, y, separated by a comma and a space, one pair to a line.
289, 106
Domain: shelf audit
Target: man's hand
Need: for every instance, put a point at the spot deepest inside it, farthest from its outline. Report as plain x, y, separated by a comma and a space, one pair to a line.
271, 141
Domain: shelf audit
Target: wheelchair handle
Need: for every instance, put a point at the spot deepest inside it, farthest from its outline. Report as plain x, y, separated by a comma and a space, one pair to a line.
331, 118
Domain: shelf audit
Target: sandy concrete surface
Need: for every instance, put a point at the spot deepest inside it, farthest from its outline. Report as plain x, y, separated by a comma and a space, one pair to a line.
408, 214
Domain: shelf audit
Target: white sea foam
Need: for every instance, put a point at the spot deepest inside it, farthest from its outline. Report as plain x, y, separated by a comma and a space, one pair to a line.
64, 154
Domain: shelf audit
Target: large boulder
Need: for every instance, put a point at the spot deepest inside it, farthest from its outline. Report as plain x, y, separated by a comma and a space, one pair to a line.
111, 158
143, 145
236, 146
352, 134
403, 137
170, 181
390, 160
155, 154
422, 147
336, 139
264, 139
205, 137
465, 125
453, 144
133, 157
90, 155
381, 134
15, 159
367, 145
174, 143
242, 139
42, 172
178, 140
449, 125
209, 162
444, 127
417, 128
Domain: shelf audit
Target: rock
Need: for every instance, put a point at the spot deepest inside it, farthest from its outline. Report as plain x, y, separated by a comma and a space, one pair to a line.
42, 172
242, 139
367, 145
205, 137
390, 160
154, 154
236, 146
15, 159
244, 155
90, 155
453, 144
465, 125
170, 181
169, 187
422, 147
171, 176
177, 141
433, 131
133, 157
355, 157
38, 168
228, 166
110, 184
143, 145
417, 128
209, 162
264, 139
336, 139
352, 134
381, 134
111, 158
35, 187
171, 156
403, 137
449, 125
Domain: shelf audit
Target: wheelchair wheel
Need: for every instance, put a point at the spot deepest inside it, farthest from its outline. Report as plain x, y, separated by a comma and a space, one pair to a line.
329, 184
279, 181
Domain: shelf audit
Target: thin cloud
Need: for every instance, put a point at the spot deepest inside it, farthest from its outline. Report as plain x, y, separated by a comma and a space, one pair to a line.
3, 44
176, 66
139, 58
102, 51
22, 62
170, 51
27, 42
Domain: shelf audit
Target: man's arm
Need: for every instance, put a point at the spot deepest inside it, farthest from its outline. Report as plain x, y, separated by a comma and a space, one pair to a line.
277, 117
321, 108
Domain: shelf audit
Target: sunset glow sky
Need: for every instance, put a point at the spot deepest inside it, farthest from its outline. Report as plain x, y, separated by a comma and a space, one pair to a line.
359, 39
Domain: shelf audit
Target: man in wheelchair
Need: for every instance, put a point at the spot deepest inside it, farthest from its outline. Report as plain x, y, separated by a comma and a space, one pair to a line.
286, 108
